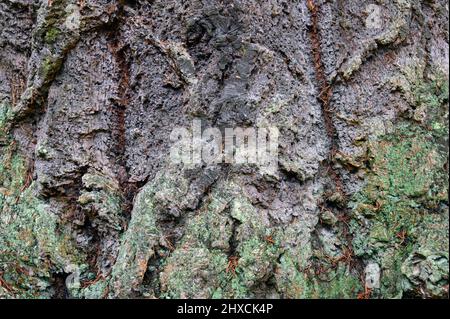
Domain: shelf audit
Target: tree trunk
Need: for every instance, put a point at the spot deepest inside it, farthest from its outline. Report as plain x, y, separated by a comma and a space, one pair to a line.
93, 205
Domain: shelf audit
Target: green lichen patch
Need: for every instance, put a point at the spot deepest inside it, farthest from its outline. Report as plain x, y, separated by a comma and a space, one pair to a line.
193, 272
257, 248
33, 245
427, 96
50, 66
406, 190
12, 174
341, 284
97, 290
5, 116
431, 102
137, 245
323, 278
426, 267
202, 252
291, 281
101, 197
227, 244
433, 93
321, 268
52, 35
225, 252
164, 196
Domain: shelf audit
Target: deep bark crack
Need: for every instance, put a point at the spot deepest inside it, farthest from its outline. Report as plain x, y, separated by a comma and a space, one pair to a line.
325, 95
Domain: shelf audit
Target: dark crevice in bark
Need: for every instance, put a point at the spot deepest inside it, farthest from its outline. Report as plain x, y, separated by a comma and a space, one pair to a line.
59, 286
17, 84
339, 207
151, 276
233, 242
325, 94
426, 26
120, 52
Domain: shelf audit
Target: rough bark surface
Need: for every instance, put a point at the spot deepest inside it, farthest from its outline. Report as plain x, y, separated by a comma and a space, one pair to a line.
92, 207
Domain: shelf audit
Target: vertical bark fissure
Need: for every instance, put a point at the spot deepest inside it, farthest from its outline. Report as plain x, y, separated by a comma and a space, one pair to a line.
119, 51
325, 95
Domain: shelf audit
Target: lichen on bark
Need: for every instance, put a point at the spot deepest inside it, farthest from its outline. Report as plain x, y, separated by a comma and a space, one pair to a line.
92, 207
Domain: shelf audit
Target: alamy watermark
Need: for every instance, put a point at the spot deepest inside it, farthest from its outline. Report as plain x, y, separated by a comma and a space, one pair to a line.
239, 145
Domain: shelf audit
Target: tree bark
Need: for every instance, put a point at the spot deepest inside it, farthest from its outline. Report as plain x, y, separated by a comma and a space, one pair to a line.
92, 206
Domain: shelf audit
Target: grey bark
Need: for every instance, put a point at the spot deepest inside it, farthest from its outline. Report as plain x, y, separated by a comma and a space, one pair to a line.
91, 90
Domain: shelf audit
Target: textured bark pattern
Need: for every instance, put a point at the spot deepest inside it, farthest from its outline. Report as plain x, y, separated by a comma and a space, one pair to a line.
91, 206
